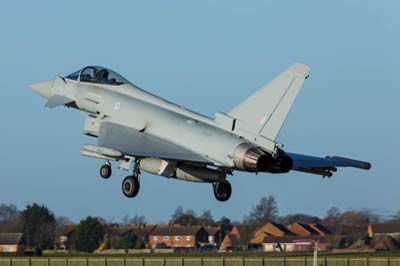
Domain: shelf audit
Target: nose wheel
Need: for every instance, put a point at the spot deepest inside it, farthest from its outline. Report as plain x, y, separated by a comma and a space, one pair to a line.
222, 190
130, 184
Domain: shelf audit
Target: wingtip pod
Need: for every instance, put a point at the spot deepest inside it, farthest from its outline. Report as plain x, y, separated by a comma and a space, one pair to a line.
300, 68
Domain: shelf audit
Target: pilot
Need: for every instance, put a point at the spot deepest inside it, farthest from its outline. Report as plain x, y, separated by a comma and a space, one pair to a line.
101, 75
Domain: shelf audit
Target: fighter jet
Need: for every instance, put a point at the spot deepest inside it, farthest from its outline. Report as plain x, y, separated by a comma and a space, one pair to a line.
135, 127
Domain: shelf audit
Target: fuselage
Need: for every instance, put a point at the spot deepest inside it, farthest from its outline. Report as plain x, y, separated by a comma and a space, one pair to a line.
135, 108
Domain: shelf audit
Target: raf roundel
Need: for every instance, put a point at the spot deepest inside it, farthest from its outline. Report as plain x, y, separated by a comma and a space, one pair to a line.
117, 105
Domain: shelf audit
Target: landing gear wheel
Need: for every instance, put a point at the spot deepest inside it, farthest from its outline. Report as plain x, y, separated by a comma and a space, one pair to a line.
222, 190
130, 186
105, 171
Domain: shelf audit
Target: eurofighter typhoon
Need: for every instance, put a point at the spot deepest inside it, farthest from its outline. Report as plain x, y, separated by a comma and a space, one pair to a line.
134, 127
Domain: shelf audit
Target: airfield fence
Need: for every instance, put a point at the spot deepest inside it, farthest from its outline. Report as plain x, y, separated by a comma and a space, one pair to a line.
204, 261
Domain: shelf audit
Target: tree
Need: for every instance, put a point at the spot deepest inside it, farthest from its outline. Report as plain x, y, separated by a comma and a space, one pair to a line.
333, 212
139, 243
38, 225
206, 218
265, 211
128, 241
187, 219
177, 213
88, 234
224, 221
396, 216
184, 218
9, 218
137, 219
299, 218
8, 213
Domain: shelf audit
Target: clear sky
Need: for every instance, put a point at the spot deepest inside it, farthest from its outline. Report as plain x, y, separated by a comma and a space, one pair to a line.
208, 56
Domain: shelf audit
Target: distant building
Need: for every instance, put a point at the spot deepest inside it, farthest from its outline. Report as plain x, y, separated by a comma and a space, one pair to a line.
296, 237
322, 230
138, 231
10, 242
270, 229
301, 229
216, 234
177, 236
293, 244
237, 238
387, 228
66, 236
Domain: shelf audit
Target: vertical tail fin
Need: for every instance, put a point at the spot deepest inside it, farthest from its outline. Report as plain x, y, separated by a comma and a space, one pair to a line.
265, 111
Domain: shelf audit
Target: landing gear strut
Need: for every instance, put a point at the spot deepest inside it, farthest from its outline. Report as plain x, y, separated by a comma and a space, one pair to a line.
222, 190
105, 170
131, 185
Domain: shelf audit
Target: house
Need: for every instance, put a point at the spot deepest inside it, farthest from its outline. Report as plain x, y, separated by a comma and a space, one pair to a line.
296, 237
174, 236
213, 235
270, 229
301, 229
322, 230
138, 231
387, 228
237, 238
231, 242
115, 233
293, 243
65, 237
10, 242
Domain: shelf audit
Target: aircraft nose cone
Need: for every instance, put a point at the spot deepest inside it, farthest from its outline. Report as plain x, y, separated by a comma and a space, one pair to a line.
43, 88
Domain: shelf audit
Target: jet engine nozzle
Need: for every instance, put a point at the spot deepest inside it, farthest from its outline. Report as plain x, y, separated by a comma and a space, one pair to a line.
250, 158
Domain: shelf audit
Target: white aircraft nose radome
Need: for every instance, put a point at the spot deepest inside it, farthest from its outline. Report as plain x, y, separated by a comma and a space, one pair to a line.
43, 88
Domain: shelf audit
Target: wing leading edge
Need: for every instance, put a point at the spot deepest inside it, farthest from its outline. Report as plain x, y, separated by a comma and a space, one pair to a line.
324, 166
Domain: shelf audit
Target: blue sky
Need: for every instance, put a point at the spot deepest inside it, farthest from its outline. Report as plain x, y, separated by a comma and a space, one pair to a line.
208, 56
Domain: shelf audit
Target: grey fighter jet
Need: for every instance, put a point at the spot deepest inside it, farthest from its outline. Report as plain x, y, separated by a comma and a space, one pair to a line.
135, 127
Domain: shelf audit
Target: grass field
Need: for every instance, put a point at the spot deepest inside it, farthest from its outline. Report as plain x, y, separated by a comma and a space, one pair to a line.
201, 261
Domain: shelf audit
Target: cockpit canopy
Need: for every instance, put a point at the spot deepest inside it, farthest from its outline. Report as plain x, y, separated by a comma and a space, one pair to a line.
99, 75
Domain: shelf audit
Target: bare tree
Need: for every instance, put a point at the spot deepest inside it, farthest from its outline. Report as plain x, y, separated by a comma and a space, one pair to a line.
8, 212
137, 219
206, 218
265, 211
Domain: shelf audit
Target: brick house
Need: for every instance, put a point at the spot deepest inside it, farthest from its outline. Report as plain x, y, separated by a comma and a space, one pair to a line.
384, 229
173, 236
10, 242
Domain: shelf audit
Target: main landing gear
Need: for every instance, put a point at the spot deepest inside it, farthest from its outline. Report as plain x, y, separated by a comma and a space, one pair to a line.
130, 184
105, 170
222, 190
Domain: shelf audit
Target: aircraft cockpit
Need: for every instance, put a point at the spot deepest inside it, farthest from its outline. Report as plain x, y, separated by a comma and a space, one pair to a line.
99, 75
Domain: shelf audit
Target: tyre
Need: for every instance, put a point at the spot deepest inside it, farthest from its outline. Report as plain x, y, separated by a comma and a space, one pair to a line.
222, 190
105, 171
130, 186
